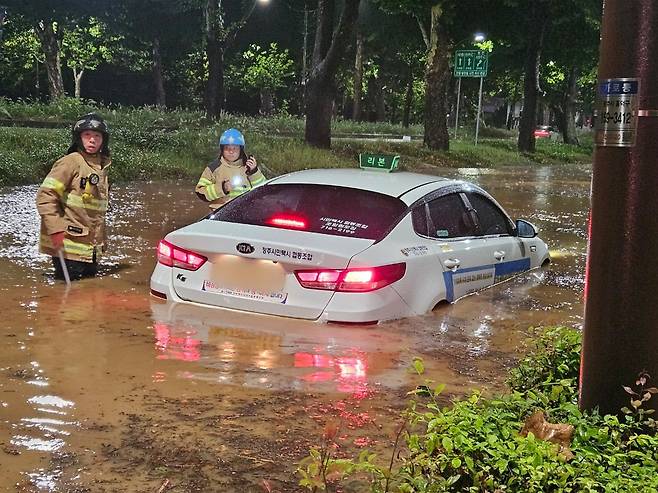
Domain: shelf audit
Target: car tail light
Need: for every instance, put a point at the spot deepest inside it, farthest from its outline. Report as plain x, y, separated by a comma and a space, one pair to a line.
287, 221
173, 256
359, 280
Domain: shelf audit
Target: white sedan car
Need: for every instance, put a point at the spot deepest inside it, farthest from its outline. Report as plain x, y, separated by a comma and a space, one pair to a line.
346, 245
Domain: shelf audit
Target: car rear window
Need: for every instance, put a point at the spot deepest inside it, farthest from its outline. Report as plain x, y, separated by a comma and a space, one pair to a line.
327, 209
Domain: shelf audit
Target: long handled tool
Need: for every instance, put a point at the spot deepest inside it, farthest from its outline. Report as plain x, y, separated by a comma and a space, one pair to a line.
65, 269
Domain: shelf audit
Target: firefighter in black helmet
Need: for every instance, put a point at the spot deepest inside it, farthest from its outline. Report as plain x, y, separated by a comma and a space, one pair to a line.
73, 200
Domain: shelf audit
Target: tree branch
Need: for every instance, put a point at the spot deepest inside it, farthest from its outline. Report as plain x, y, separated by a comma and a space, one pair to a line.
344, 29
423, 31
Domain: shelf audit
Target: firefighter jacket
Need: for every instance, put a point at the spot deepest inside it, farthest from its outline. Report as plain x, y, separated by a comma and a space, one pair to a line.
222, 181
73, 198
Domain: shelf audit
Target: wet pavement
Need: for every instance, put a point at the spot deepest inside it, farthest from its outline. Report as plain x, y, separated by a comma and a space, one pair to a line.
103, 388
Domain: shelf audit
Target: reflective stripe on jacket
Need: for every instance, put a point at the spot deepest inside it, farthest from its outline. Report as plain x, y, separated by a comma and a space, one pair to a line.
68, 202
209, 186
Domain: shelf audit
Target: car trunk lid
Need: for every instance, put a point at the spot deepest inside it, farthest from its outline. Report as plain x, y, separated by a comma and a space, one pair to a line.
252, 268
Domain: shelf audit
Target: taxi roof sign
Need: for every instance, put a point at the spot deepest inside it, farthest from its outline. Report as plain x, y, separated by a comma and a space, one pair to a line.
383, 162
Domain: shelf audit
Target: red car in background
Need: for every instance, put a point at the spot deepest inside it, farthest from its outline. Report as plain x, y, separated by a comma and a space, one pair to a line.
543, 132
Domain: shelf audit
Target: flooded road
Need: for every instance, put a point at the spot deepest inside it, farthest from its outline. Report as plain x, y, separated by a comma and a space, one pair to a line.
105, 389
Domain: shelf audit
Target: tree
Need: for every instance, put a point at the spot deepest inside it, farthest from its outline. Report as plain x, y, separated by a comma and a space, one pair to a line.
328, 51
436, 21
563, 33
263, 71
84, 47
222, 23
47, 18
20, 59
159, 28
570, 64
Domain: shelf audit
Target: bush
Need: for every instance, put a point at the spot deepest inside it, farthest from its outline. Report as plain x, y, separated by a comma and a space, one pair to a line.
474, 444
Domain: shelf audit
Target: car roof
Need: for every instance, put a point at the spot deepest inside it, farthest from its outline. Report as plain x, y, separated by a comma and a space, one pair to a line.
394, 184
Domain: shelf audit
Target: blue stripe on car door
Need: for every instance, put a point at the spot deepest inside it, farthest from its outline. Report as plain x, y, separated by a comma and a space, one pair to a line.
500, 269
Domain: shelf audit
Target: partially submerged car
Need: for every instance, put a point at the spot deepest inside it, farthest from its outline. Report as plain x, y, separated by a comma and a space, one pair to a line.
346, 245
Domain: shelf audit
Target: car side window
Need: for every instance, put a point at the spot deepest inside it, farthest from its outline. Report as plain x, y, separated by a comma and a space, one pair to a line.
419, 219
491, 220
448, 218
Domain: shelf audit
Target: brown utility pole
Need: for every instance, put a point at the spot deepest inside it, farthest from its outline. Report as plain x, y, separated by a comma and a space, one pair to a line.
620, 336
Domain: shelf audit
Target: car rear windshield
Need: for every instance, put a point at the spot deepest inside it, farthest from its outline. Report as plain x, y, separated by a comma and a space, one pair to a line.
327, 209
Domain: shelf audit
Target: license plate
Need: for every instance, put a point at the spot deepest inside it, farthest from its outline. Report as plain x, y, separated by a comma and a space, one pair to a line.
233, 272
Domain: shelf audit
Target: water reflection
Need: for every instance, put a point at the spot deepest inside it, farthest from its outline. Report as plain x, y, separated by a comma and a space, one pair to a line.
287, 354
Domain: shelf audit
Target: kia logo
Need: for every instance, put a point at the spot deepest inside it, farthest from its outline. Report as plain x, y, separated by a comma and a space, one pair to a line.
244, 248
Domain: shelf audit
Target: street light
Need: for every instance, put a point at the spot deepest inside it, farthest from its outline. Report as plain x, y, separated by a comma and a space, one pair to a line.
477, 38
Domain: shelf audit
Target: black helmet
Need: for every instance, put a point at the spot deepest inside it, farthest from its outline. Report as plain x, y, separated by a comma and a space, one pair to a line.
90, 121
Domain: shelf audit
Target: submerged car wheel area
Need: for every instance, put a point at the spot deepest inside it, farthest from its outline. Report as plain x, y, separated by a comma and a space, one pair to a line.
349, 246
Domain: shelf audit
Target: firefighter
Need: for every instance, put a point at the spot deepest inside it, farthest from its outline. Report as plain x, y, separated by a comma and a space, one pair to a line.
72, 201
231, 174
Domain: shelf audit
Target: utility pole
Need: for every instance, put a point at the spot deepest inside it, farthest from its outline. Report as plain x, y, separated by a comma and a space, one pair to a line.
620, 336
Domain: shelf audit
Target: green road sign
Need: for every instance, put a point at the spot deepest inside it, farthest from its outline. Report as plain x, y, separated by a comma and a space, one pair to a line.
384, 162
471, 63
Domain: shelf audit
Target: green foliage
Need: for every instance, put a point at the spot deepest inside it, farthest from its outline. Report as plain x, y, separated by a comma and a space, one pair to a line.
475, 444
20, 56
552, 370
640, 393
263, 68
84, 46
149, 142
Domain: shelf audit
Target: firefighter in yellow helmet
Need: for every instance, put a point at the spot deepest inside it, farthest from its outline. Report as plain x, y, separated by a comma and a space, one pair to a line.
72, 200
231, 174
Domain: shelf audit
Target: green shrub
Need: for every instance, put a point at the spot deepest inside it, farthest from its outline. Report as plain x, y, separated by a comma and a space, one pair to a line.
151, 143
475, 445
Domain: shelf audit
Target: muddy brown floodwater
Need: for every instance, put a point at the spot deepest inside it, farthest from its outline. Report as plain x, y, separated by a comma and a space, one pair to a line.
104, 389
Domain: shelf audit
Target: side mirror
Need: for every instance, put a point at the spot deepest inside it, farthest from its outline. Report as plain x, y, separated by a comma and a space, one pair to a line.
525, 229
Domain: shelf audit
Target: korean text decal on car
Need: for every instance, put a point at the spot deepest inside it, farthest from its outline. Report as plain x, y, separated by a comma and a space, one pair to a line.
482, 274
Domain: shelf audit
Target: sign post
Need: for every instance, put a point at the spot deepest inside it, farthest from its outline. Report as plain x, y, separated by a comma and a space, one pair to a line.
470, 63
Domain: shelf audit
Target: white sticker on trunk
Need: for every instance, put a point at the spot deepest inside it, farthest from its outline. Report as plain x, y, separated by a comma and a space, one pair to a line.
273, 297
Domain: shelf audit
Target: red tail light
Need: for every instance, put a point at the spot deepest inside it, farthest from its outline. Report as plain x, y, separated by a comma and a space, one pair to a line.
358, 280
173, 256
287, 221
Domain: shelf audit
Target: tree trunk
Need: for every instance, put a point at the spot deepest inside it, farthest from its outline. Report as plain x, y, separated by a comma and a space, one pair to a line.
377, 90
319, 107
266, 102
437, 77
77, 77
569, 128
37, 82
328, 50
358, 76
535, 38
214, 93
305, 54
408, 98
158, 78
50, 48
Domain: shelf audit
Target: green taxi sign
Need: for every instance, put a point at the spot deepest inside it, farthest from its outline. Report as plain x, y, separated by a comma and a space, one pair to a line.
384, 162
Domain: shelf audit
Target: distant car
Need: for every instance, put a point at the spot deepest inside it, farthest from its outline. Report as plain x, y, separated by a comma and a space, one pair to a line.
543, 132
346, 245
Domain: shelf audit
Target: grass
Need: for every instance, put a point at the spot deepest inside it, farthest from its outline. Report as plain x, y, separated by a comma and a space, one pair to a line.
148, 143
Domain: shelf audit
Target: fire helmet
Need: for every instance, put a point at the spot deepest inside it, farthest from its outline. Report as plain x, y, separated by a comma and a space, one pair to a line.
90, 121
231, 137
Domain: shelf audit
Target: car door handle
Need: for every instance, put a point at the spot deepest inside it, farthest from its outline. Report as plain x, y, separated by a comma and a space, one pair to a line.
499, 255
452, 263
